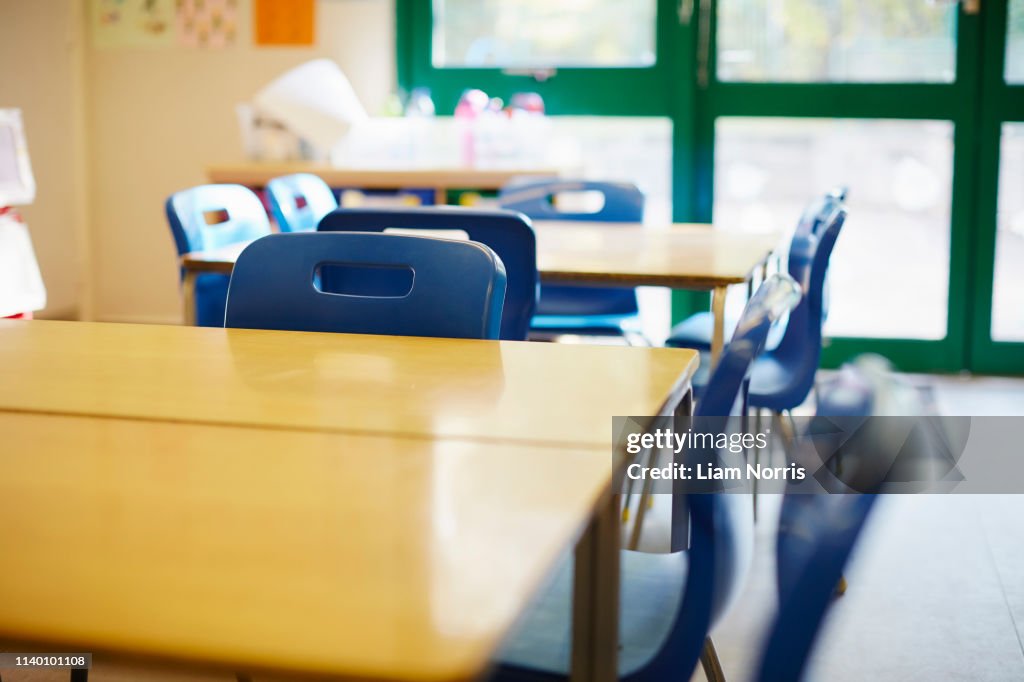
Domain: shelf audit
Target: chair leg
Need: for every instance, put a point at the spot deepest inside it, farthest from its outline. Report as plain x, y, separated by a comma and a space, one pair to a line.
786, 430
709, 661
757, 461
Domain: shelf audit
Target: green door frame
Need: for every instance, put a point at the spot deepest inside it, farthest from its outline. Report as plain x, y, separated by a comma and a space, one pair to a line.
569, 91
999, 103
940, 101
671, 88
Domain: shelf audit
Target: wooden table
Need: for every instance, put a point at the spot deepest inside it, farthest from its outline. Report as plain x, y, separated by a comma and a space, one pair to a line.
680, 256
381, 385
440, 179
228, 531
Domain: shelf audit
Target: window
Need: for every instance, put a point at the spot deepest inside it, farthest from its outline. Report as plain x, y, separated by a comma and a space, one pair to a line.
523, 34
1015, 43
900, 179
837, 40
1008, 289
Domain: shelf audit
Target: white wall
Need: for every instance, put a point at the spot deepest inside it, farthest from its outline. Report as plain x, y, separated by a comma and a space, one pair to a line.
41, 72
159, 116
113, 132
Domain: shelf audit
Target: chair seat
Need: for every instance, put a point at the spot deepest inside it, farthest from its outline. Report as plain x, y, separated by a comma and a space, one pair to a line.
651, 588
769, 382
695, 332
586, 325
586, 301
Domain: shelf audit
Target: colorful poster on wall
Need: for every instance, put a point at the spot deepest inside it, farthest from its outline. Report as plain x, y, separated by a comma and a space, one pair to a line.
207, 23
284, 22
132, 23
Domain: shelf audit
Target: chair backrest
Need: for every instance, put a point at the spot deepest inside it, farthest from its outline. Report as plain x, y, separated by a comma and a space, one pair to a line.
817, 532
299, 201
623, 202
720, 524
816, 216
717, 409
507, 232
799, 351
386, 284
212, 216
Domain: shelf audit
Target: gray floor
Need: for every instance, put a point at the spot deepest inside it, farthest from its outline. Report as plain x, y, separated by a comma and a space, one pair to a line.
936, 588
936, 592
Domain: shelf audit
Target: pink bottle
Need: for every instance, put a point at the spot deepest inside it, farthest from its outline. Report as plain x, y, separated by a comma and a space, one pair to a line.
471, 105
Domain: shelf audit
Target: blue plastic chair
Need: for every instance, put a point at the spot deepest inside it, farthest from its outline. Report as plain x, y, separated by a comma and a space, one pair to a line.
817, 533
697, 329
299, 201
669, 602
384, 284
507, 232
816, 536
579, 310
209, 217
782, 378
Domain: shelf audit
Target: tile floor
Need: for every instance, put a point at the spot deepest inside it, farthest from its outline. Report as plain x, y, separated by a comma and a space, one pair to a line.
936, 587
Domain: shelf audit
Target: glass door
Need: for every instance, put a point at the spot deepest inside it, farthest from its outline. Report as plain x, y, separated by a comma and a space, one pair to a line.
998, 324
797, 96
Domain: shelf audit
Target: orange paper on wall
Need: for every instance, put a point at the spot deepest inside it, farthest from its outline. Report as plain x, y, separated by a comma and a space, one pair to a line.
284, 22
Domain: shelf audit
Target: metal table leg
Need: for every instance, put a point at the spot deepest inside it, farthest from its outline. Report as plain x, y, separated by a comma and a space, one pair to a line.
595, 609
188, 296
718, 313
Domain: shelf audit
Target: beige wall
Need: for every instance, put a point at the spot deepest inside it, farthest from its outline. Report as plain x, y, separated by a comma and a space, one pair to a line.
41, 72
113, 132
158, 116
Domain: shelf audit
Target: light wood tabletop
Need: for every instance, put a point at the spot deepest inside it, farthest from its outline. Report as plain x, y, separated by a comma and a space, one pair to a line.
680, 256
260, 550
441, 179
545, 394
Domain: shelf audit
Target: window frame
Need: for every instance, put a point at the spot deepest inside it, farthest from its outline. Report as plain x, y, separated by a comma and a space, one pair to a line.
570, 90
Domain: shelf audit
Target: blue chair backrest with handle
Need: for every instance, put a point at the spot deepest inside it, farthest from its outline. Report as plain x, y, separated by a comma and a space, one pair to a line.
623, 203
507, 232
816, 216
209, 217
298, 202
669, 602
799, 351
387, 284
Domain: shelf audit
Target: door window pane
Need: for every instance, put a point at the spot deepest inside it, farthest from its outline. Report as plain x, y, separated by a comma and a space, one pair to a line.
889, 274
837, 40
1015, 43
1008, 286
544, 33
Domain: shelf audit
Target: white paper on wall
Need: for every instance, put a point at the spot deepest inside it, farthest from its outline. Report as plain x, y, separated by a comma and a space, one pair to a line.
21, 285
315, 101
17, 186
